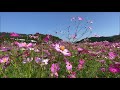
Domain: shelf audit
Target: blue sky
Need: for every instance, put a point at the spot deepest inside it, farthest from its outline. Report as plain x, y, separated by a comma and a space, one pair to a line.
104, 23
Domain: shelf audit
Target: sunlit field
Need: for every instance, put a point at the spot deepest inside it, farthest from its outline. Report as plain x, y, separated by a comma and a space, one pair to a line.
34, 56
60, 59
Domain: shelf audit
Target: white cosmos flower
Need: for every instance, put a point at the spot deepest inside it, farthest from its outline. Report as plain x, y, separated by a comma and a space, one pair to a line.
33, 41
31, 48
45, 61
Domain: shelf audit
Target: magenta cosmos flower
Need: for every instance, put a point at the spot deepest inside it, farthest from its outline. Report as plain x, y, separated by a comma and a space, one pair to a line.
62, 49
81, 61
55, 68
47, 38
112, 55
114, 69
14, 35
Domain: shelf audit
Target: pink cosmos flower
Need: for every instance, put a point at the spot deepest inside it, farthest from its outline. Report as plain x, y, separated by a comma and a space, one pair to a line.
16, 43
68, 66
57, 47
4, 59
81, 61
55, 68
80, 49
66, 52
30, 45
80, 18
62, 50
81, 64
24, 44
14, 35
112, 55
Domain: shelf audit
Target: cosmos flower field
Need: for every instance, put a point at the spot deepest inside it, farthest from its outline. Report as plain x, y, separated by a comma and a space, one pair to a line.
60, 59
45, 58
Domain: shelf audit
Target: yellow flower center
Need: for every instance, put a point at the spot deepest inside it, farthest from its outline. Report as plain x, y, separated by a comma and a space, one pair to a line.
62, 48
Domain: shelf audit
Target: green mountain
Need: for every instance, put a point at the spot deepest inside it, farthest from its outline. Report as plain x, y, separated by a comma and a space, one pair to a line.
115, 38
6, 36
